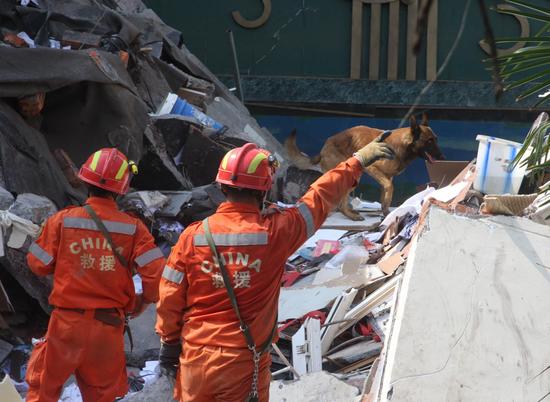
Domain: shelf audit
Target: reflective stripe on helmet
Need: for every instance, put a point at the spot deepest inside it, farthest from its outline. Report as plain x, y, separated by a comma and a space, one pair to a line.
95, 161
149, 256
88, 224
172, 275
41, 254
308, 218
233, 239
121, 170
254, 163
225, 159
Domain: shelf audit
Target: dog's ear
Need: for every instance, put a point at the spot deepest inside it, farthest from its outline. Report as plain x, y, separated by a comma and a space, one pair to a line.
424, 119
415, 129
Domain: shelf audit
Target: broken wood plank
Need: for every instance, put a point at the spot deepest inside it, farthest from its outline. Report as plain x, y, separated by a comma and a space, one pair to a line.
393, 41
374, 48
306, 347
389, 265
357, 365
363, 308
337, 312
288, 367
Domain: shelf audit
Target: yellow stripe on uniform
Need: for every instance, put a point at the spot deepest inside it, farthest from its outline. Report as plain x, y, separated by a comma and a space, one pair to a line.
256, 162
95, 161
121, 170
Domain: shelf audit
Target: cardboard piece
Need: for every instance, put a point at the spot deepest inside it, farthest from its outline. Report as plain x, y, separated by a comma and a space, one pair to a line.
8, 393
443, 172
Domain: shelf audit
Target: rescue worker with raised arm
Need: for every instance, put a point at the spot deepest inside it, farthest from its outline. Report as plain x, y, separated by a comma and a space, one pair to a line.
201, 338
93, 290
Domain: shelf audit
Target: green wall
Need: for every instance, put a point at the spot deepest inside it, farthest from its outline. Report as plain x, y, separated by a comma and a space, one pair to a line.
311, 38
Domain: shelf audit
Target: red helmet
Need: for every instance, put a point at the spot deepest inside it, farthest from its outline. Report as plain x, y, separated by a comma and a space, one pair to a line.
108, 169
247, 167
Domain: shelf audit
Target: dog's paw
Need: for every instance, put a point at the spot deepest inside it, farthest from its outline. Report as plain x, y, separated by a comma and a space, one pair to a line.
356, 217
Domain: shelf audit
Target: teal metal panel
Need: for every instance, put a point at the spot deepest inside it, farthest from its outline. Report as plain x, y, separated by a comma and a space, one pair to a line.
311, 38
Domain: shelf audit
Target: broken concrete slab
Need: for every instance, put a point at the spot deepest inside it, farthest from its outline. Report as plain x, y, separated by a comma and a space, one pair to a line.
146, 341
471, 320
242, 125
6, 199
33, 207
292, 183
157, 168
159, 390
337, 220
39, 287
314, 387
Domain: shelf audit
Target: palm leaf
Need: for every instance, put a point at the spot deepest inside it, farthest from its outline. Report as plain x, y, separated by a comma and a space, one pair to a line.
542, 10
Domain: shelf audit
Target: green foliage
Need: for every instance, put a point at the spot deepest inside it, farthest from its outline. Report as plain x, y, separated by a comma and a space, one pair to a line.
528, 67
537, 148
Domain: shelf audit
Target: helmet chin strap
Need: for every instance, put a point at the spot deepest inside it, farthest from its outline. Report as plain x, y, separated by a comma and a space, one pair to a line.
261, 200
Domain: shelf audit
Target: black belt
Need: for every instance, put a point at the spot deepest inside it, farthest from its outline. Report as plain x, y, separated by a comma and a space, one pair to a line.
108, 316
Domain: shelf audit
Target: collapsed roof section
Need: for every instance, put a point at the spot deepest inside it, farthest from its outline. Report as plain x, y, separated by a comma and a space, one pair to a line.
102, 69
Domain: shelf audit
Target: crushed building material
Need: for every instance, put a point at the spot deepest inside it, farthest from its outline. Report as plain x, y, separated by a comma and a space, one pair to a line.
473, 298
33, 207
314, 387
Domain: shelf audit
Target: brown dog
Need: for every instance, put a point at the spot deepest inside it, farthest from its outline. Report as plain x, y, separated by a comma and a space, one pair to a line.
409, 143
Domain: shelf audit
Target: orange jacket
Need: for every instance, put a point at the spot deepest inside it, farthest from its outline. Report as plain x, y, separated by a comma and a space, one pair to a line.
86, 272
193, 301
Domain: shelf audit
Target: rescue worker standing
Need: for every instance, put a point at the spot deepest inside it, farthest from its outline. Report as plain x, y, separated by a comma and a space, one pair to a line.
92, 288
195, 312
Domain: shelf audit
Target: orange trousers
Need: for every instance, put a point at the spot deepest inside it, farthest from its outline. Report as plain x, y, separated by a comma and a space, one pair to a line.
78, 343
213, 373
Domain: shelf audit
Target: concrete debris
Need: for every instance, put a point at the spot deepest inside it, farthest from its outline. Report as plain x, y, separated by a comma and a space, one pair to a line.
6, 199
33, 207
146, 341
315, 387
159, 390
469, 318
352, 294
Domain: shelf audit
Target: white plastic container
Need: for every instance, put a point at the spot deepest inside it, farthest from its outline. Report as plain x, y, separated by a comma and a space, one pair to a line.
493, 173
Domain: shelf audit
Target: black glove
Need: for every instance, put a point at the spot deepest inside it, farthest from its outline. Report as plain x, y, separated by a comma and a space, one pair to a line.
169, 358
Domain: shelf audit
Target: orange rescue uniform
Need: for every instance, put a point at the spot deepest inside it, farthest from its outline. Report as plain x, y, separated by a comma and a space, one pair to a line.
87, 276
194, 306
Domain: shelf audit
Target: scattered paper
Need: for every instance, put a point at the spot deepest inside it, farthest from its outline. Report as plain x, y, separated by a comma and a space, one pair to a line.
324, 234
413, 205
447, 193
357, 254
295, 303
360, 205
27, 39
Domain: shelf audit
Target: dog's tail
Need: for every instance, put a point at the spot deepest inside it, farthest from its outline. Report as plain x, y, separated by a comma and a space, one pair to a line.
296, 156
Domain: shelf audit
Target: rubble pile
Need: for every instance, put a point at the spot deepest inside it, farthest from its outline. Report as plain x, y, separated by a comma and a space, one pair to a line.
384, 304
80, 76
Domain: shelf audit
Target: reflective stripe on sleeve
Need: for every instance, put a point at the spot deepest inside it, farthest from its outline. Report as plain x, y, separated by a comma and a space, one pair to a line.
308, 218
41, 254
172, 275
89, 224
149, 256
233, 239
